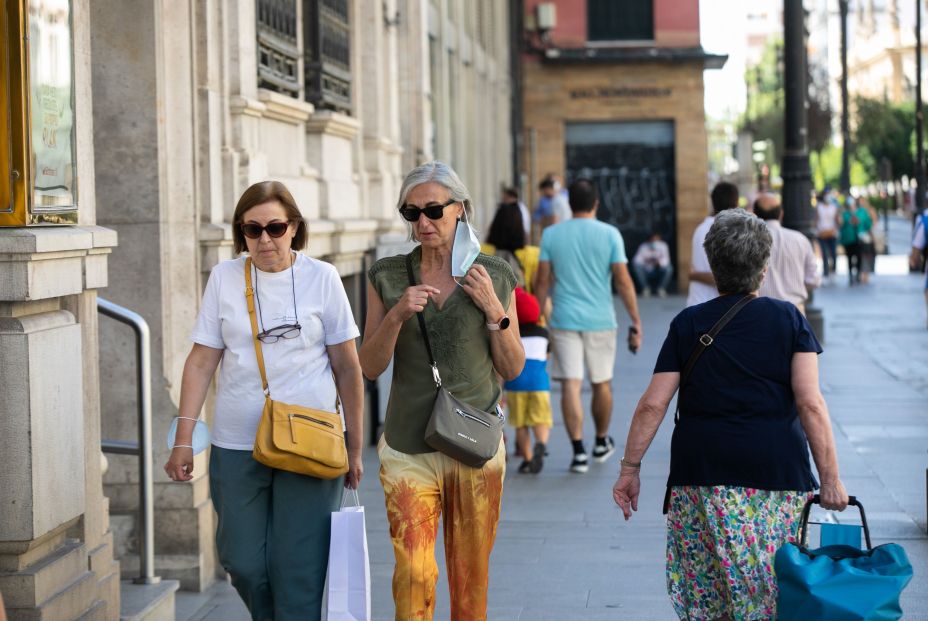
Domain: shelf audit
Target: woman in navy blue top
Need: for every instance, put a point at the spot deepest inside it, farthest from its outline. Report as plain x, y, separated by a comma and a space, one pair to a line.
749, 412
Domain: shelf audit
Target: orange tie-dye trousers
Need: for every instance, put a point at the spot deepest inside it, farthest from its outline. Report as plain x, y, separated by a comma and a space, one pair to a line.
419, 489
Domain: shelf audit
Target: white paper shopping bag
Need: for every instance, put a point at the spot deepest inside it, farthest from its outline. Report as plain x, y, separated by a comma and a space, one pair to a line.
349, 577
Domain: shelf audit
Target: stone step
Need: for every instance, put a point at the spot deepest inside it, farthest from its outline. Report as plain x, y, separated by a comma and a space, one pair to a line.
97, 612
72, 602
188, 569
40, 581
147, 602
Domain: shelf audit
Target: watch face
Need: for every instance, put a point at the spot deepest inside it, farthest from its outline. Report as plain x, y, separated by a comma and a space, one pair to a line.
504, 323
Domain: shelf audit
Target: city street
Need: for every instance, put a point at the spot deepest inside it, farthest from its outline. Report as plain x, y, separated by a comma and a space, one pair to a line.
563, 552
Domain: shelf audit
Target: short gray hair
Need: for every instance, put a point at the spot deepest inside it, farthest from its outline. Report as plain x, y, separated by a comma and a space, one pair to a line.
440, 173
738, 248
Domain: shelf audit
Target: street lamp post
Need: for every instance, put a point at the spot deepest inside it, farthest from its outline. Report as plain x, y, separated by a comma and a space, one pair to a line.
919, 116
797, 176
845, 121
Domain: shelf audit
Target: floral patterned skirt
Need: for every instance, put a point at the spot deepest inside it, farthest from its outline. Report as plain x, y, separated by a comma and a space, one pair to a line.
720, 547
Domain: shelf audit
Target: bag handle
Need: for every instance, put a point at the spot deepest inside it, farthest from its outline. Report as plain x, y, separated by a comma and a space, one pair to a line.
817, 500
704, 342
250, 299
421, 317
349, 493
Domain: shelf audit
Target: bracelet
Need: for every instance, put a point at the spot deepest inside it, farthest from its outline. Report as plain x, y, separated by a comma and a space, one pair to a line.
183, 446
630, 464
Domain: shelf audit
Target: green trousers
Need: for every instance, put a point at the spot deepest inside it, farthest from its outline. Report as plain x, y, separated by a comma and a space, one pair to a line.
273, 534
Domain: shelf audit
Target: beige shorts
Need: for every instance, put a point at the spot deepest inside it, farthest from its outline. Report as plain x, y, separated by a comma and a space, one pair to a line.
571, 350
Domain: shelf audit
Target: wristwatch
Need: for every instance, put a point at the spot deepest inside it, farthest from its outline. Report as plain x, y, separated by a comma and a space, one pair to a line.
502, 324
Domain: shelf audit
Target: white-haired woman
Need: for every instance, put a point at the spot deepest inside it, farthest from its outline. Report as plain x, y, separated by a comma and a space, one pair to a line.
474, 335
749, 411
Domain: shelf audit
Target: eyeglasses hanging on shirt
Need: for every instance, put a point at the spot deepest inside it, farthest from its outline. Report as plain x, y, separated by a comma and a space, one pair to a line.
283, 331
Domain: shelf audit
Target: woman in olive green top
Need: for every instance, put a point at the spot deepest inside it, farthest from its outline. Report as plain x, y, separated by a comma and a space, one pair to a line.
474, 335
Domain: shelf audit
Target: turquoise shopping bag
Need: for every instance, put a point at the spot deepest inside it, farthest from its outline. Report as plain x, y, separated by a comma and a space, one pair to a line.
840, 582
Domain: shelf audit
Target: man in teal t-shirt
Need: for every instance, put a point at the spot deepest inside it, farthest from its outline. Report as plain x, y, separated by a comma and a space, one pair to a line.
581, 259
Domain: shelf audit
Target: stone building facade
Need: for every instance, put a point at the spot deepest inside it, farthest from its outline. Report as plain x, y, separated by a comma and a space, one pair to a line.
195, 102
56, 545
614, 92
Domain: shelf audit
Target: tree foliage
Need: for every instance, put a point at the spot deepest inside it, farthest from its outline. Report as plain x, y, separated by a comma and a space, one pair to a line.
765, 114
884, 130
819, 111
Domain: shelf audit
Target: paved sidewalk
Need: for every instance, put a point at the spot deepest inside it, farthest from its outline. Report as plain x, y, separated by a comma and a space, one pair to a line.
563, 552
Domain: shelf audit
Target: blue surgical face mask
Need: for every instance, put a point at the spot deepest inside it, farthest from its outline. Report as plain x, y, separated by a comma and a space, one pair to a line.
200, 441
465, 249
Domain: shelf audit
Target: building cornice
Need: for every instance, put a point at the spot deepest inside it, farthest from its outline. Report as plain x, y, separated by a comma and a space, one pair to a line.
333, 123
634, 55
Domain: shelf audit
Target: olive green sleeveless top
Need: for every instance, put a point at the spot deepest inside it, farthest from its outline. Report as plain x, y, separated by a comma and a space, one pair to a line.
460, 341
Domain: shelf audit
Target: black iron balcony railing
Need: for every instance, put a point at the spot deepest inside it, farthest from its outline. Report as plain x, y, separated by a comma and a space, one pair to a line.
278, 52
327, 54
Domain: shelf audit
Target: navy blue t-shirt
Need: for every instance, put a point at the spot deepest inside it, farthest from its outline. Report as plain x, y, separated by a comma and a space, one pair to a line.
738, 420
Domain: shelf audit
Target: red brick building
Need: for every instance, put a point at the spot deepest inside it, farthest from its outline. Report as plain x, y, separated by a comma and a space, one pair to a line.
614, 91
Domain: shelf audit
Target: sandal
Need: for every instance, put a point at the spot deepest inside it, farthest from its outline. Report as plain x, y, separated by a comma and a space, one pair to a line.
525, 467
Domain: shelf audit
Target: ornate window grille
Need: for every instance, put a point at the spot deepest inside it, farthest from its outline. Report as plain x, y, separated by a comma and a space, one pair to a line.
278, 52
327, 54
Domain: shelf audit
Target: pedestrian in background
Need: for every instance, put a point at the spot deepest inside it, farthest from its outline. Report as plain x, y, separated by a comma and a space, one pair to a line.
917, 256
791, 270
826, 232
474, 334
867, 238
651, 265
511, 197
583, 259
854, 221
552, 206
528, 397
273, 529
507, 241
749, 411
702, 283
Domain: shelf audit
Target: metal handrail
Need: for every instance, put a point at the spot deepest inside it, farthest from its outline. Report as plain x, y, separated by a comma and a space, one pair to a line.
142, 448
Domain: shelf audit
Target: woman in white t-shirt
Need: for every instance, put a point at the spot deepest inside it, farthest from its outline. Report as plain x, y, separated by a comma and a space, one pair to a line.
826, 231
273, 530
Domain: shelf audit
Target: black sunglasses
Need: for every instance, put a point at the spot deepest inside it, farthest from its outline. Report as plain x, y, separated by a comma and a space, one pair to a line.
432, 212
274, 229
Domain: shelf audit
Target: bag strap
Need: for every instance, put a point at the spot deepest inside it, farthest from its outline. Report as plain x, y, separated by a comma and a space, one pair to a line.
250, 299
817, 500
703, 344
421, 317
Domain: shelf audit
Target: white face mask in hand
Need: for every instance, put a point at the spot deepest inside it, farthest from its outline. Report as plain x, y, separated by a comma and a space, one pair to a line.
199, 441
465, 249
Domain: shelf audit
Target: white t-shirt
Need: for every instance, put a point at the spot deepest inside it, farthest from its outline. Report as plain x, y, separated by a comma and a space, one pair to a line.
699, 291
298, 369
826, 213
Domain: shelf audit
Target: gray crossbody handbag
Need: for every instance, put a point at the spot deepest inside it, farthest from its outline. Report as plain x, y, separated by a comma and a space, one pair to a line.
457, 429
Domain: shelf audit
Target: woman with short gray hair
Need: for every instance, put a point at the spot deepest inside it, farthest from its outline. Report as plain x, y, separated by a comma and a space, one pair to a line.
466, 299
749, 410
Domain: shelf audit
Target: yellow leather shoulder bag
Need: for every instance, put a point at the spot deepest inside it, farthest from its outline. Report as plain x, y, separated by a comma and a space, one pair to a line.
292, 437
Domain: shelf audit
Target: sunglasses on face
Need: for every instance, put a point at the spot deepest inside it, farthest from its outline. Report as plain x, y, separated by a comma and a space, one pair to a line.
432, 212
274, 229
